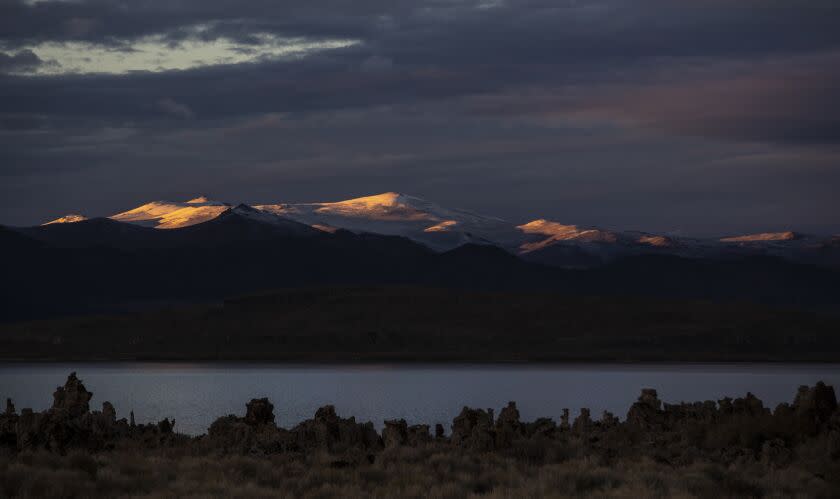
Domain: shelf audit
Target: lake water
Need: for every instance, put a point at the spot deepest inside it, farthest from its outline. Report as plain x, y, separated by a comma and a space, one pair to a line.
196, 394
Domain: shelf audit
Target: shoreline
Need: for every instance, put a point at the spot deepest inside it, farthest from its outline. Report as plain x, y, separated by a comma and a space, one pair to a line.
726, 448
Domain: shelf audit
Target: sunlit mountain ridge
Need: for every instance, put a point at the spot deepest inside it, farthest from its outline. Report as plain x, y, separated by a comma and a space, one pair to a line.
173, 215
66, 219
763, 237
199, 250
442, 229
397, 214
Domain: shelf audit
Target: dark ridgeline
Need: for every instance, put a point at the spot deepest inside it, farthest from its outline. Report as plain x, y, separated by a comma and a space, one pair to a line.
102, 265
719, 439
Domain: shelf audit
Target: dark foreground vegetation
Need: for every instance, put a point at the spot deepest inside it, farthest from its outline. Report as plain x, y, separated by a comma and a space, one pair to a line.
419, 324
729, 448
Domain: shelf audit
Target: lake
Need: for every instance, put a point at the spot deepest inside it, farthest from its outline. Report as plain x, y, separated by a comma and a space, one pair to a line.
196, 394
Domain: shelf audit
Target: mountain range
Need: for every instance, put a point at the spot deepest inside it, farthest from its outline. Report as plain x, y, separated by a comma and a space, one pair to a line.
442, 229
201, 251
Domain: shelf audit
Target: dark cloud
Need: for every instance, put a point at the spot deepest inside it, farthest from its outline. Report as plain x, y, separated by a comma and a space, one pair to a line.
793, 100
599, 27
596, 112
24, 60
173, 108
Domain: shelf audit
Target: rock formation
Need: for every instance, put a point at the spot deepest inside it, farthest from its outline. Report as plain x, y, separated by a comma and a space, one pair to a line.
72, 398
395, 433
646, 413
70, 423
472, 429
726, 431
815, 405
508, 428
328, 431
259, 411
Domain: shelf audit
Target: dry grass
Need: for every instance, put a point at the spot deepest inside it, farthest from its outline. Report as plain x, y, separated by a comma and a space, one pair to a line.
426, 472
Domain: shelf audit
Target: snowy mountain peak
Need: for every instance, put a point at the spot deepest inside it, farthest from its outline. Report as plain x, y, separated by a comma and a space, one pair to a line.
443, 229
545, 233
762, 237
173, 215
445, 226
242, 207
67, 219
398, 214
385, 206
249, 212
548, 228
657, 241
384, 199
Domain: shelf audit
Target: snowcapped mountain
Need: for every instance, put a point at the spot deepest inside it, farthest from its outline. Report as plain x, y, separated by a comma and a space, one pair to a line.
763, 237
173, 215
388, 213
442, 229
794, 246
67, 219
396, 214
551, 242
542, 233
276, 222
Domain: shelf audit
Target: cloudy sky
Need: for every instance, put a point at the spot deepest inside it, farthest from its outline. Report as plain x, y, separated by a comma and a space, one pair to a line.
700, 117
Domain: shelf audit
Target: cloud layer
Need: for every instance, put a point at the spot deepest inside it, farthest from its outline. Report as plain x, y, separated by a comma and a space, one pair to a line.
709, 116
